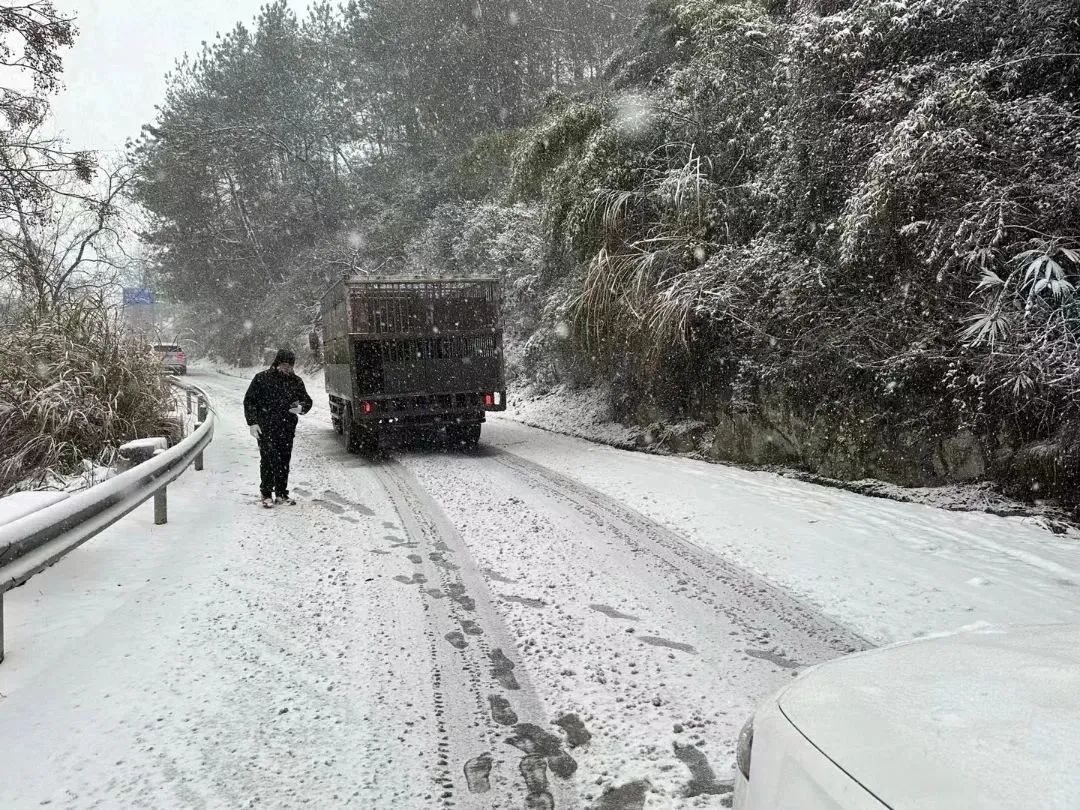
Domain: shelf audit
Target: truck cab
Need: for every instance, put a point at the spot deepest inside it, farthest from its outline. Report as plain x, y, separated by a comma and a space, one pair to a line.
405, 357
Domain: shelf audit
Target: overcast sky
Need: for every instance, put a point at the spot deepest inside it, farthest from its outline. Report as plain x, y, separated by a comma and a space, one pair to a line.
115, 73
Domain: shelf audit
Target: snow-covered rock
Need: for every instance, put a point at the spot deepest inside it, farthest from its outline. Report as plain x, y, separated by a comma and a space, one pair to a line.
140, 450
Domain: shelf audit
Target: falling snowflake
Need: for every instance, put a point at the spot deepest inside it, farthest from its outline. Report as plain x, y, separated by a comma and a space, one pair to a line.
633, 113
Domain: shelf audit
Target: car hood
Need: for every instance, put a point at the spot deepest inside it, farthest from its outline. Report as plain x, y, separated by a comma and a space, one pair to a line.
982, 719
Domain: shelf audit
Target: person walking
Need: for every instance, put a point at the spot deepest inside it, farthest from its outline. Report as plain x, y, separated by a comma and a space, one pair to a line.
273, 404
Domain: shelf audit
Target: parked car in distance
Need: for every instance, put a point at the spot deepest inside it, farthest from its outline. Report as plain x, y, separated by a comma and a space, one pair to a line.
977, 720
172, 357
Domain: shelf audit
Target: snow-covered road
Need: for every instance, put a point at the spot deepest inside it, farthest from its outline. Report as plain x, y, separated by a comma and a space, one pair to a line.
541, 623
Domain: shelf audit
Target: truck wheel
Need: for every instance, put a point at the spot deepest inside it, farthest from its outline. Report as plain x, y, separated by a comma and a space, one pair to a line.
421, 437
367, 442
335, 419
467, 436
472, 435
349, 431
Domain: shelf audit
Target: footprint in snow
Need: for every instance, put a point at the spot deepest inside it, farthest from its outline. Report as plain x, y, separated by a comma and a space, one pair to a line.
330, 495
531, 739
438, 559
478, 773
534, 771
663, 642
524, 600
330, 507
612, 613
501, 711
703, 781
630, 796
773, 657
576, 733
502, 670
495, 576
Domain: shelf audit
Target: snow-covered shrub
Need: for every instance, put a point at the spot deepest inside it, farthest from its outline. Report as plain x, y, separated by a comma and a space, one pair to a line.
862, 204
72, 388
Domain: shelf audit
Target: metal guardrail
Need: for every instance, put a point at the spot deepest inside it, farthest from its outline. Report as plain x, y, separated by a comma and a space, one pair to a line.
32, 543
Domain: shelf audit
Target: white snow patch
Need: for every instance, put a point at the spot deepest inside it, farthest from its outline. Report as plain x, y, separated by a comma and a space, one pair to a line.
890, 571
585, 413
232, 656
152, 445
22, 504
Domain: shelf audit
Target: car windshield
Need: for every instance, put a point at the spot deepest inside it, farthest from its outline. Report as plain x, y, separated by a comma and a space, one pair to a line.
553, 383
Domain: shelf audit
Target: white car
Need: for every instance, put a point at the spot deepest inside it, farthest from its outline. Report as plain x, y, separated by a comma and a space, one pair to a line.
981, 720
172, 357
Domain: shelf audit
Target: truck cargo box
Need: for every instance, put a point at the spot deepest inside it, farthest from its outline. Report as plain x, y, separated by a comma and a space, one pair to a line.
405, 354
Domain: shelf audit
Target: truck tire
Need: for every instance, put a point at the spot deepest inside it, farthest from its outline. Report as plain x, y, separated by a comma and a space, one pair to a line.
335, 419
349, 431
367, 442
472, 435
466, 436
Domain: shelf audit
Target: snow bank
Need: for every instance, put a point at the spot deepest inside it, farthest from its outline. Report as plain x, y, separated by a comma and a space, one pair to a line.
586, 414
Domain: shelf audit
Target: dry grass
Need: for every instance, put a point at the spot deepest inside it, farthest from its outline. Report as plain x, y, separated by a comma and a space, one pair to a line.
72, 388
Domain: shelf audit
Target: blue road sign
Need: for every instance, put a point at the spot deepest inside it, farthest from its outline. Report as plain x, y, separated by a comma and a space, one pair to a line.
137, 295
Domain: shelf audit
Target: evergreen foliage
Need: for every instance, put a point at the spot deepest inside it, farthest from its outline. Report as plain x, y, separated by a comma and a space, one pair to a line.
870, 212
72, 387
289, 152
863, 208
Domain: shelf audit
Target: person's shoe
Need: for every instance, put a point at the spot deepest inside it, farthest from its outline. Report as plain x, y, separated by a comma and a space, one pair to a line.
288, 500
267, 502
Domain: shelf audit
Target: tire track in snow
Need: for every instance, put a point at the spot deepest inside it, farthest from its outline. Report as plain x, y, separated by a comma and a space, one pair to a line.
740, 595
483, 691
549, 535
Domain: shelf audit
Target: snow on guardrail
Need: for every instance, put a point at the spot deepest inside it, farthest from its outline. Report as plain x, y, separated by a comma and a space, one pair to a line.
38, 538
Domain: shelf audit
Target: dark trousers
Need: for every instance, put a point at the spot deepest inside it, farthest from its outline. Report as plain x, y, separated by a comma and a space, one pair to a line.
275, 453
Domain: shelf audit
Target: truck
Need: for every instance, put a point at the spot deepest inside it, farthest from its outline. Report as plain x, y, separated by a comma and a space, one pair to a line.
405, 358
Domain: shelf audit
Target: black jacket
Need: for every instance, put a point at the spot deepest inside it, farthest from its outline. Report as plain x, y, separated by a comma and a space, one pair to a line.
270, 396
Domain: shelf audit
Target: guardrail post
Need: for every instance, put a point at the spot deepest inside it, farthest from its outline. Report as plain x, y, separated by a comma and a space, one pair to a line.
189, 402
202, 418
161, 507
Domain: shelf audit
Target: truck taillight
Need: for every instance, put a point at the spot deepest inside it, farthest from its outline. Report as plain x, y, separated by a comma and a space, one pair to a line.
367, 407
489, 400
